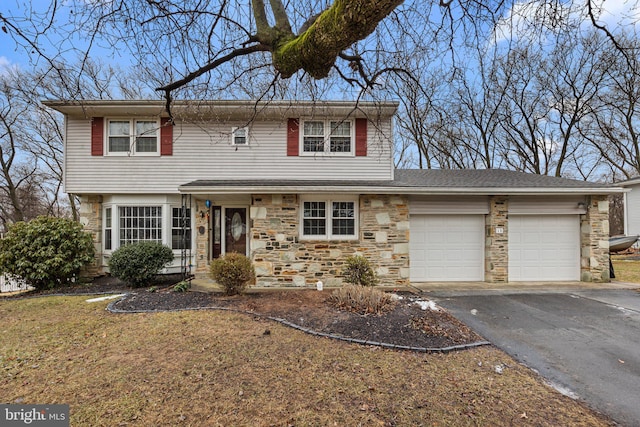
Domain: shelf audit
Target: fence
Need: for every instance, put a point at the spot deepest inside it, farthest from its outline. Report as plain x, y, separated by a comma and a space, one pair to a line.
8, 284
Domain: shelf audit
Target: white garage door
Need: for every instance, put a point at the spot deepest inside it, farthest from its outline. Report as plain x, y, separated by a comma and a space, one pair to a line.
447, 248
544, 247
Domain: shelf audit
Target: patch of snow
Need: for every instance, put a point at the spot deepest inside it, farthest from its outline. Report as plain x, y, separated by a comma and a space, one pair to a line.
108, 297
427, 305
499, 369
396, 297
474, 312
562, 390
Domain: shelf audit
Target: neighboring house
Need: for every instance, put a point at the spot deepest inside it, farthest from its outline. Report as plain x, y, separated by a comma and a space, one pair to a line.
631, 203
300, 186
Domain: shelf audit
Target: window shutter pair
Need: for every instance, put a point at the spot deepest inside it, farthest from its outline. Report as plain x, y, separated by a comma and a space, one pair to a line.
97, 137
293, 137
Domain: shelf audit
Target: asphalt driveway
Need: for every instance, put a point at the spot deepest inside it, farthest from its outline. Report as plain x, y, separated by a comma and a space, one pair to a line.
586, 343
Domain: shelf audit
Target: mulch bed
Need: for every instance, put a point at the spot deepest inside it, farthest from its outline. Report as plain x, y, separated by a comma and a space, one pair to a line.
407, 324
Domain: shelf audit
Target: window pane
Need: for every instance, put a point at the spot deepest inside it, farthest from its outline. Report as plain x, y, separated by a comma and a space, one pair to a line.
314, 227
119, 144
146, 128
341, 128
314, 129
180, 233
313, 145
340, 145
140, 223
146, 145
119, 128
240, 136
343, 219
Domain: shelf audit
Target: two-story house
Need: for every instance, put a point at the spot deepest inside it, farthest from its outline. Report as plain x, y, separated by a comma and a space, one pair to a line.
299, 186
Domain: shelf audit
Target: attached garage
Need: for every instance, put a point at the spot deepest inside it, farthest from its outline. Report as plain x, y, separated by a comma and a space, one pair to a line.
447, 239
544, 240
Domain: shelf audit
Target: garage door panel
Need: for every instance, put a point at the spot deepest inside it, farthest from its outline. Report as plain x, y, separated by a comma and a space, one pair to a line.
447, 247
544, 247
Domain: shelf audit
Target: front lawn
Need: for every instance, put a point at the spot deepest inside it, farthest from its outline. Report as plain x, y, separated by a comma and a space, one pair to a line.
220, 368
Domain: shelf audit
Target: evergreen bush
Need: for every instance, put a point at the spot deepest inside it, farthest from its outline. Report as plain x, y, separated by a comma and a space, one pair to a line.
46, 252
138, 263
358, 271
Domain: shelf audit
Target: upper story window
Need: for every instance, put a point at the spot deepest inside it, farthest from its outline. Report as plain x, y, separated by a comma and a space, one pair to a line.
239, 136
133, 137
329, 137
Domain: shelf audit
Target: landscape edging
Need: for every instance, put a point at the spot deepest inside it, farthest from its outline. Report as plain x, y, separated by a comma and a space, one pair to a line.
111, 307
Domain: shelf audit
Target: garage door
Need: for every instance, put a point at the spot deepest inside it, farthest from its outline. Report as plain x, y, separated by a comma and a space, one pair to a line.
544, 247
447, 248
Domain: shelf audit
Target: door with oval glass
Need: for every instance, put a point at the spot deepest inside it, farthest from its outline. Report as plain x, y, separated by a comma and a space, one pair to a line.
229, 226
235, 230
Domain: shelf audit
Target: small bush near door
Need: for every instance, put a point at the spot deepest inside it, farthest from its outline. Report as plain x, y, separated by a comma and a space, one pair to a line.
233, 272
138, 263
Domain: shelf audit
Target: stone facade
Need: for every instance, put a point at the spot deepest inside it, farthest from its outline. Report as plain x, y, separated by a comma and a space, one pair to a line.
594, 230
282, 259
496, 257
91, 220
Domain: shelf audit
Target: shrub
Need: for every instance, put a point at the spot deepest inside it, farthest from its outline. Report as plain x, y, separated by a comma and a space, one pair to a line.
182, 286
46, 252
233, 272
138, 263
358, 271
362, 299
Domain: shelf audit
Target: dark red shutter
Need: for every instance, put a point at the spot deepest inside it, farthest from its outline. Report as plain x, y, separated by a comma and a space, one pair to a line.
293, 137
97, 136
361, 137
166, 137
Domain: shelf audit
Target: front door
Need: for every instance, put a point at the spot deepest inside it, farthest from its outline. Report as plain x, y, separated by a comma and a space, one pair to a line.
229, 226
235, 230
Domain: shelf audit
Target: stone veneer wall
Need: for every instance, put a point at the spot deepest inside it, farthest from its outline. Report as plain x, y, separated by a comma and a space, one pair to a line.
91, 220
281, 259
594, 230
496, 257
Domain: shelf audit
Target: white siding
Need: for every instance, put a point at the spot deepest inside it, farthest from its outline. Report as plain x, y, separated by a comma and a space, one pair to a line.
206, 153
632, 211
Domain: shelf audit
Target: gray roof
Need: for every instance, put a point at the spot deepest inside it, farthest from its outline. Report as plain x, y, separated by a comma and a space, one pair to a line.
419, 181
485, 178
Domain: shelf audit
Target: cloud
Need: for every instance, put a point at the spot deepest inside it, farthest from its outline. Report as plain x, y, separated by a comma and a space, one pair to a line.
528, 19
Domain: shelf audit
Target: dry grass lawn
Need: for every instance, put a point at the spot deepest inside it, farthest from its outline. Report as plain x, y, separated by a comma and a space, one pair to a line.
626, 268
217, 368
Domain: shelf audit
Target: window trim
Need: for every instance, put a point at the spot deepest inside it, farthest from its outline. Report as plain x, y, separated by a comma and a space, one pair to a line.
132, 137
329, 217
246, 136
327, 138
